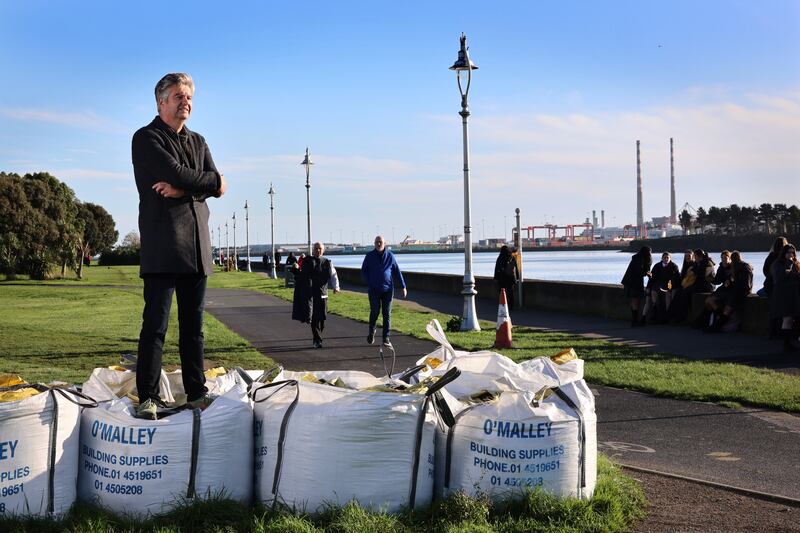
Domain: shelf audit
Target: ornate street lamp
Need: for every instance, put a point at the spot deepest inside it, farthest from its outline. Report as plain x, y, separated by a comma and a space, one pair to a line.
463, 66
247, 233
235, 251
307, 163
227, 248
272, 193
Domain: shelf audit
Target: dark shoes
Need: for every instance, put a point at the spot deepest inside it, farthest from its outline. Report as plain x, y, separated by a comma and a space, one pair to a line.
317, 344
147, 410
387, 343
371, 337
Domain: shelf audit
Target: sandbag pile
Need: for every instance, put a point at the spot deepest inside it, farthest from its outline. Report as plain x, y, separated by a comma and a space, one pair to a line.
516, 426
327, 438
139, 467
38, 447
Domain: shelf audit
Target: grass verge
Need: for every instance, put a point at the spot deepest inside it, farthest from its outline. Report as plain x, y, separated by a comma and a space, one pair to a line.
61, 333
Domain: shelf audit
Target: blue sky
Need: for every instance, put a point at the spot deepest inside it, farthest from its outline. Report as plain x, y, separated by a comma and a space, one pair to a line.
563, 92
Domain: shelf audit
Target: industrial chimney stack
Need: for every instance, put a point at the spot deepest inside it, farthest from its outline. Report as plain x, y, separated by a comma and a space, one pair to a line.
602, 218
639, 206
673, 218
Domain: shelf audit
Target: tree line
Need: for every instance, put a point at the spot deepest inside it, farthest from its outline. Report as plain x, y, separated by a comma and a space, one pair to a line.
43, 226
742, 220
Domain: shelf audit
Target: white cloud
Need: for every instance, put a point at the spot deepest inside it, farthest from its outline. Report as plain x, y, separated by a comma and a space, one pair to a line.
74, 119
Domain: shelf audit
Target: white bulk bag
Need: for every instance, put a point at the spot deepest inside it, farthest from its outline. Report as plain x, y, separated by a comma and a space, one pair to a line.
515, 442
497, 447
112, 383
39, 452
140, 467
318, 444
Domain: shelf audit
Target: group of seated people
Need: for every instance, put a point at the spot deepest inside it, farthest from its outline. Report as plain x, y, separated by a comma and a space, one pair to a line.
668, 293
669, 290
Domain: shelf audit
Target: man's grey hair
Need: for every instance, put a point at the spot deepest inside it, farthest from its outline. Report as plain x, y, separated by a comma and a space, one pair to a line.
321, 245
175, 78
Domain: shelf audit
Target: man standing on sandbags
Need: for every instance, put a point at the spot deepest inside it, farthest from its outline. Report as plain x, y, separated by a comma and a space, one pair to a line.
175, 174
379, 270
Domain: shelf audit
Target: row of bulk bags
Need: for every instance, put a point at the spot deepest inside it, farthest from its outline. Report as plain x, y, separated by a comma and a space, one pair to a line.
139, 467
38, 448
328, 438
517, 426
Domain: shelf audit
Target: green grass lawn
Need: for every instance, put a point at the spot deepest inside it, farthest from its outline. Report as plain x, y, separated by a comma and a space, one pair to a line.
50, 332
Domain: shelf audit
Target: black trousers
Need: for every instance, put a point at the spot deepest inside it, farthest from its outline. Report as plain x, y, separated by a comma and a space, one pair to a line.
190, 291
317, 326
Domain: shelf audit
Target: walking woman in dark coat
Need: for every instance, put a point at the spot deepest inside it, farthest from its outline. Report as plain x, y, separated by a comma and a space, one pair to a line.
633, 281
311, 302
506, 274
784, 304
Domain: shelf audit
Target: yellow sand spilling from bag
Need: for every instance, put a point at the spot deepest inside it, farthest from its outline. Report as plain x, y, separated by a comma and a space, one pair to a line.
214, 373
17, 395
564, 356
9, 380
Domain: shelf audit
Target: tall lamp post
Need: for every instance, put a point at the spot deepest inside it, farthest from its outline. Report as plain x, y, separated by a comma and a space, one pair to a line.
271, 193
219, 243
518, 244
235, 251
307, 163
227, 248
247, 233
463, 65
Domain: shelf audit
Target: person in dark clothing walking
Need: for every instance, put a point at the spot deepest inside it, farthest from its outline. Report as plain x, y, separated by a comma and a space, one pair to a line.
633, 281
506, 274
175, 175
311, 291
784, 304
379, 271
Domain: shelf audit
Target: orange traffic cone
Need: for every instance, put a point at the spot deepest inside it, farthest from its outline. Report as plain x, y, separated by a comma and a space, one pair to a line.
502, 337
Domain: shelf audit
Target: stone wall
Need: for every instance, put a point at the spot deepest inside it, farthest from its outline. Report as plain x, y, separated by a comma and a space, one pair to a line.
598, 299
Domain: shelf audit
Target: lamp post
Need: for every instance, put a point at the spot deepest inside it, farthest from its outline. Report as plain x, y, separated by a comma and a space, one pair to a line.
518, 244
307, 163
247, 233
235, 251
271, 193
219, 243
463, 65
227, 248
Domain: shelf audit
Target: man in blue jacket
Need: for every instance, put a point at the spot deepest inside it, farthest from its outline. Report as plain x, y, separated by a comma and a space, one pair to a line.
379, 270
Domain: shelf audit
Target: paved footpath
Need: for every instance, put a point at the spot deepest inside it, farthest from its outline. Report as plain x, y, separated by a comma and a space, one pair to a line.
753, 449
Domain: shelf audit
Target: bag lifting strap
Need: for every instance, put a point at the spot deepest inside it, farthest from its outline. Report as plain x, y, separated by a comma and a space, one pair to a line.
449, 452
581, 435
190, 491
276, 478
51, 462
432, 393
